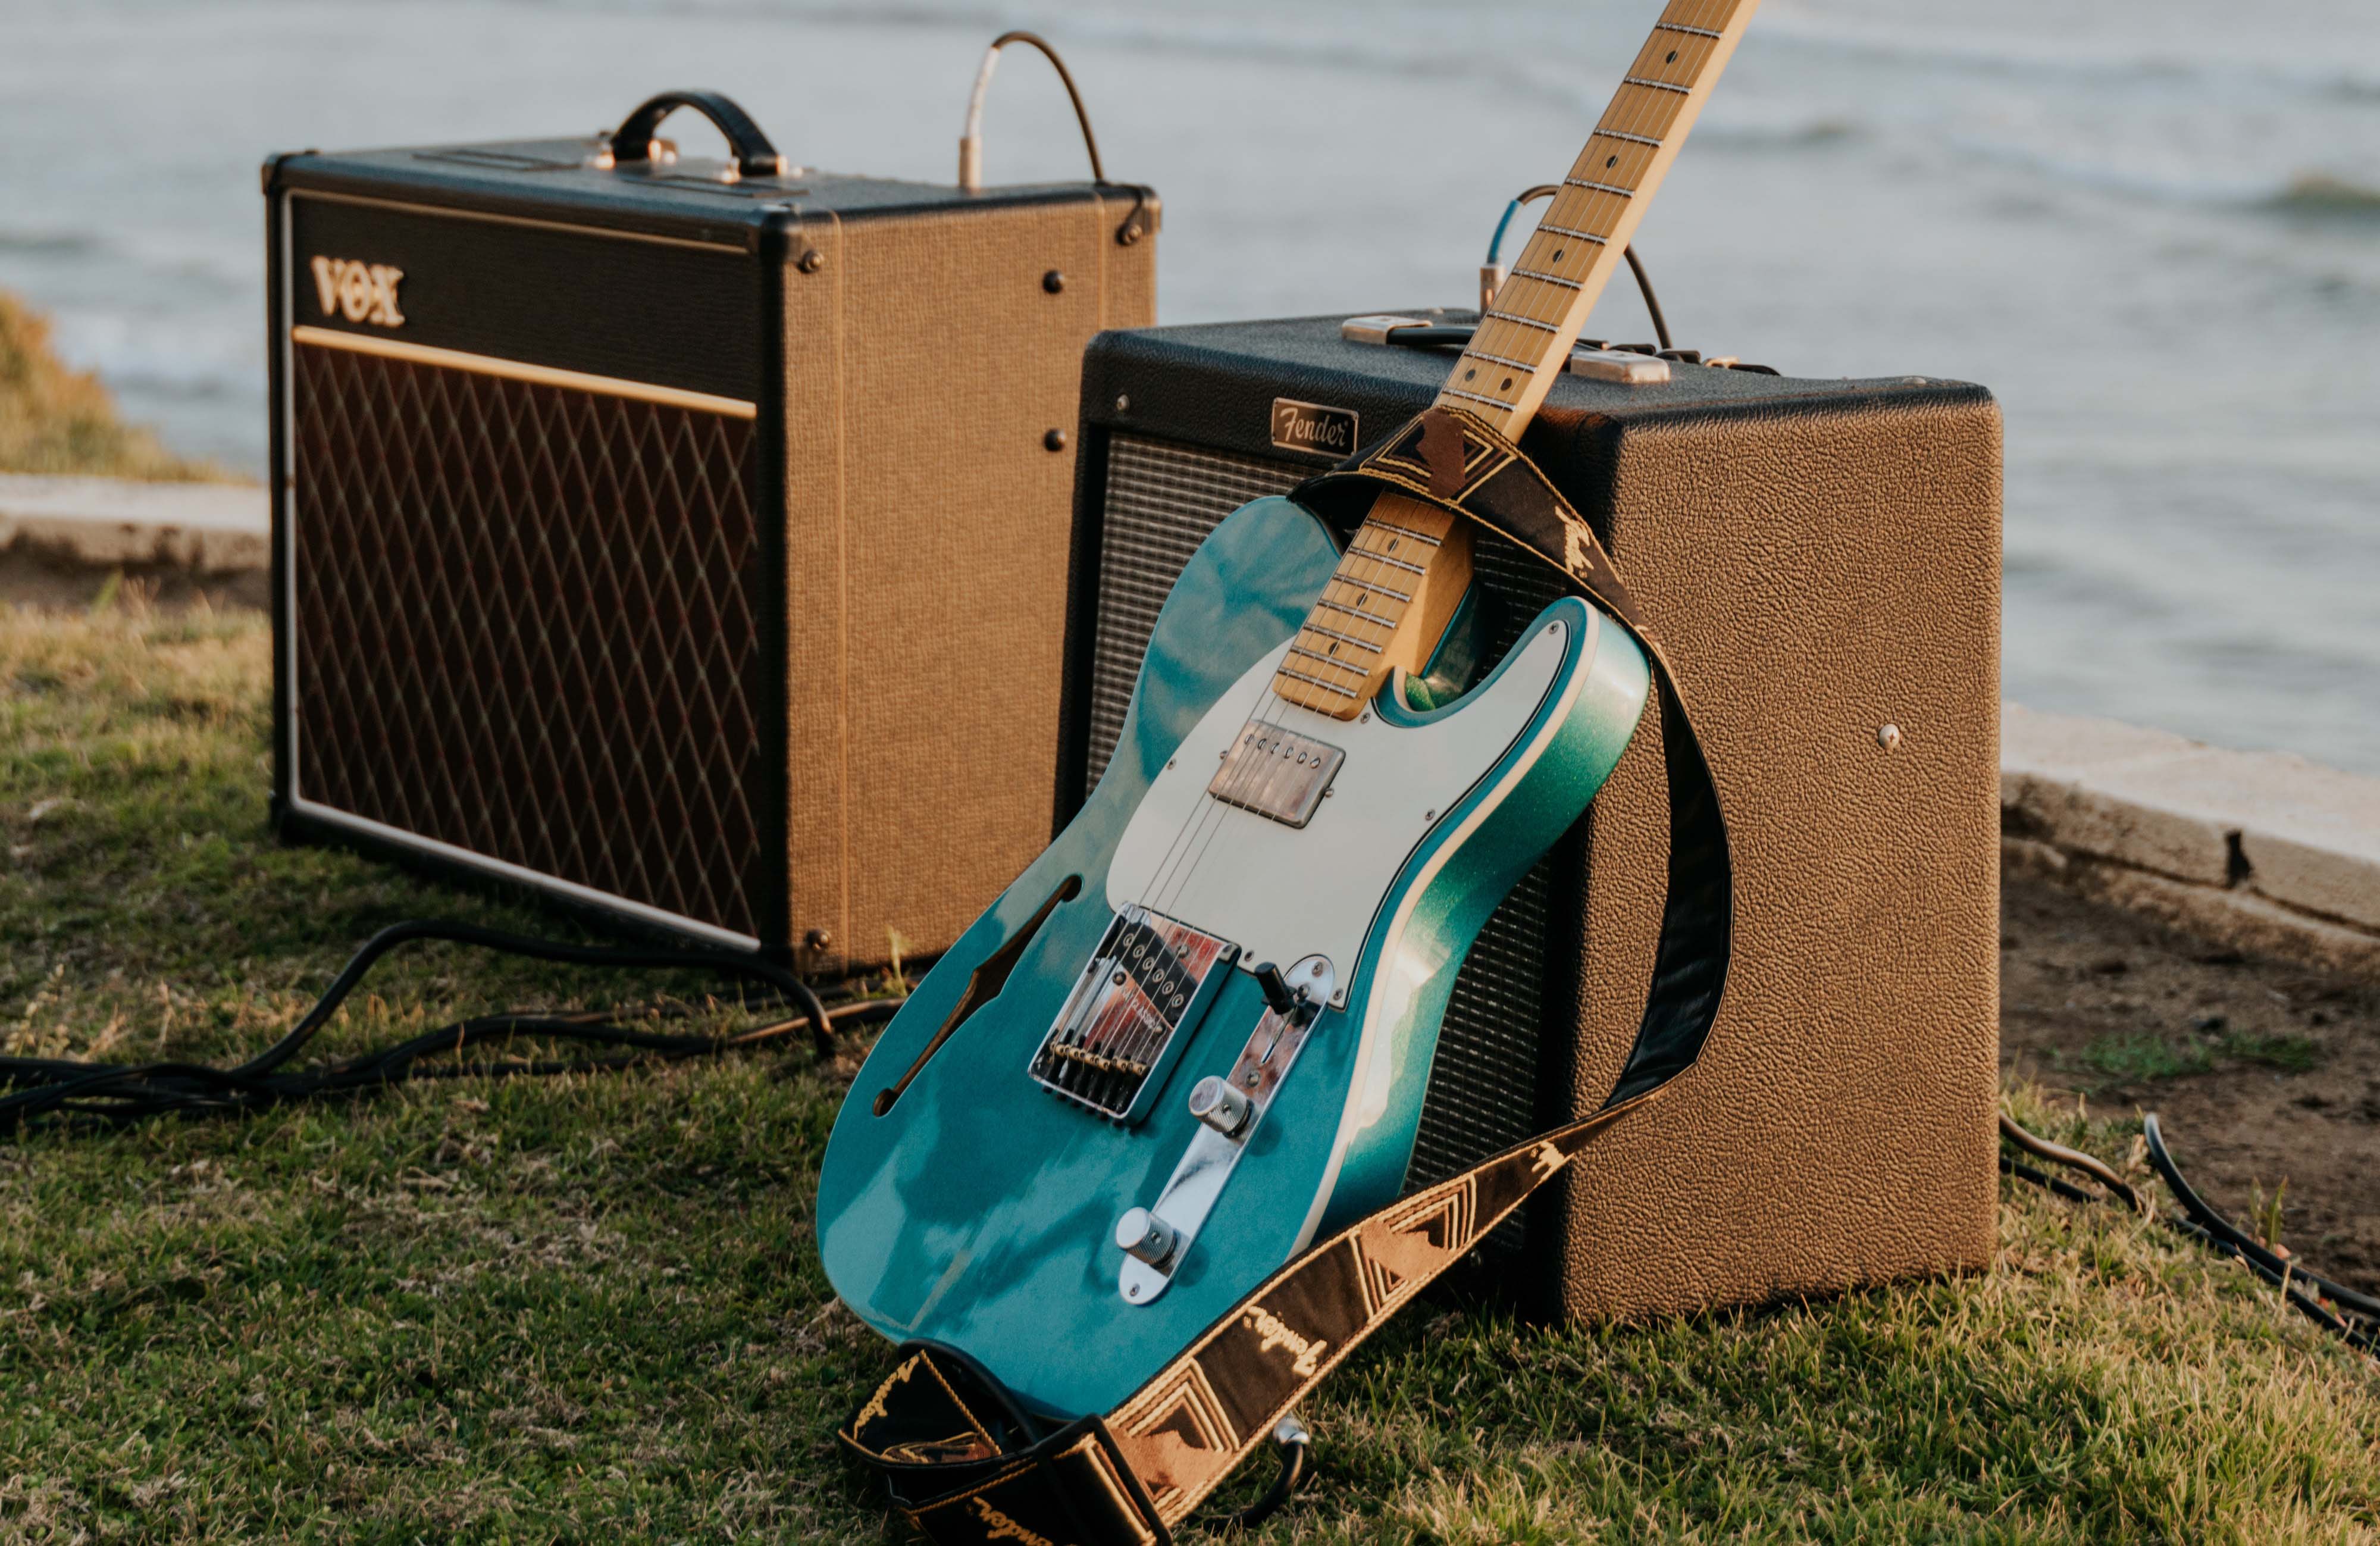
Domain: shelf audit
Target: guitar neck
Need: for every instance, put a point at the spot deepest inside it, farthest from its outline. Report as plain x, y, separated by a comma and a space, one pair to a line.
1525, 339
1408, 565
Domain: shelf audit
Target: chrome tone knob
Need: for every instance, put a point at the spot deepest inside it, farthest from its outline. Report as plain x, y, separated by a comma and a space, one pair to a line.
1215, 1102
1145, 1236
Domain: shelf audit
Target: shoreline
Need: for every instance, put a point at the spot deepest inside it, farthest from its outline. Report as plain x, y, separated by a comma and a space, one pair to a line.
2258, 851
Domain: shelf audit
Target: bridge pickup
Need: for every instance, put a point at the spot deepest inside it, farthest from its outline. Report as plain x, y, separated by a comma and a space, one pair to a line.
1277, 774
1131, 1014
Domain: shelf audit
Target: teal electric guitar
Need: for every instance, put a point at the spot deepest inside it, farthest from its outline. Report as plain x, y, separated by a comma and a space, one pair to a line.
1194, 1035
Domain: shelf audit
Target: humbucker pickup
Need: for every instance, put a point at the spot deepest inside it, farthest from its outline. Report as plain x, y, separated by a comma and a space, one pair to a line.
1277, 773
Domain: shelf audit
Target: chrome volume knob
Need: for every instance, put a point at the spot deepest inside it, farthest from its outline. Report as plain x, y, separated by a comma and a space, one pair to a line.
1216, 1103
1145, 1236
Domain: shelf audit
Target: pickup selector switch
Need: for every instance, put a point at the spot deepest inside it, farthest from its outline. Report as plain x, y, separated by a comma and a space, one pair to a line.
1216, 1103
1277, 993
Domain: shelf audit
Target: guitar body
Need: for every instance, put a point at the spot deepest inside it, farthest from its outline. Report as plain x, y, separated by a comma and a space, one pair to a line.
973, 1186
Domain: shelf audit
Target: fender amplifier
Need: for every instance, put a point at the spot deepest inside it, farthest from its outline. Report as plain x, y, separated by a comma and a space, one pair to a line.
1823, 559
684, 539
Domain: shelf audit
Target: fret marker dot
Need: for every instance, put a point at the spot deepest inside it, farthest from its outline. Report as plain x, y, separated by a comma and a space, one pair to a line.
1507, 386
1672, 58
1611, 161
1558, 254
1468, 374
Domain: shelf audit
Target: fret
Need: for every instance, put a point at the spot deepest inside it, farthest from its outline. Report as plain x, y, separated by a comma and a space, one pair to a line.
1545, 279
1576, 235
1722, 14
1499, 360
1384, 559
1406, 531
1388, 591
1526, 322
1676, 67
1599, 187
1327, 660
1373, 529
1357, 611
1681, 27
1640, 109
1628, 148
1472, 396
1637, 138
1659, 86
1313, 626
1296, 674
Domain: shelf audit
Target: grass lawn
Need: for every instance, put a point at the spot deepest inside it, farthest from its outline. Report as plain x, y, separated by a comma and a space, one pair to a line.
589, 1307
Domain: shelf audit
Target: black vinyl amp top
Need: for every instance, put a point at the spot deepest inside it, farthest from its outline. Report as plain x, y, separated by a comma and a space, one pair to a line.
1217, 384
689, 198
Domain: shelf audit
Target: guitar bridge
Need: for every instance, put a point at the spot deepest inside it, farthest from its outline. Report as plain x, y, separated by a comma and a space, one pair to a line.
1125, 1024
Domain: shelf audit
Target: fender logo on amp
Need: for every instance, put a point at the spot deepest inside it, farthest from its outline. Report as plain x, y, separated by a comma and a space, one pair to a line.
360, 292
1310, 427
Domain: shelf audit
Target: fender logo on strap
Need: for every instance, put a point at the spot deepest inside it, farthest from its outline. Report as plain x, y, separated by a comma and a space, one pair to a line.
1277, 1333
876, 1403
1000, 1527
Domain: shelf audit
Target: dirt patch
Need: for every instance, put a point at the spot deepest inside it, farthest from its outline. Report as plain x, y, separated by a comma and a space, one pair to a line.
31, 576
2262, 1073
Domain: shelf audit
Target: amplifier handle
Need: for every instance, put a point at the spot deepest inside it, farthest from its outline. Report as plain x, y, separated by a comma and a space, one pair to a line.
755, 157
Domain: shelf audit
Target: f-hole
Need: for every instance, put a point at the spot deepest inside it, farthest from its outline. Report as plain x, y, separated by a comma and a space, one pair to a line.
984, 983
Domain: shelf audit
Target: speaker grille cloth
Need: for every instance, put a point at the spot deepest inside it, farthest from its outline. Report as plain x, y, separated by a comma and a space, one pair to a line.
526, 625
1161, 500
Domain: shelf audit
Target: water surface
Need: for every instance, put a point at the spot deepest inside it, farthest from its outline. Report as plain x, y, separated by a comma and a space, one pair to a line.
2151, 227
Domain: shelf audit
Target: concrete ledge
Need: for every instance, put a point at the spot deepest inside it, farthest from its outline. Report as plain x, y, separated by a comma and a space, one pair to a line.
2261, 850
213, 529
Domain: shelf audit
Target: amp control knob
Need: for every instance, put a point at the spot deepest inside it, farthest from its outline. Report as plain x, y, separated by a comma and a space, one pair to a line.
1145, 1236
1215, 1102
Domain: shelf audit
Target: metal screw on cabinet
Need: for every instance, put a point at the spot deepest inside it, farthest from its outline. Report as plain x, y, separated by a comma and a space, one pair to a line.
811, 261
818, 939
1055, 441
1053, 281
1124, 403
1888, 737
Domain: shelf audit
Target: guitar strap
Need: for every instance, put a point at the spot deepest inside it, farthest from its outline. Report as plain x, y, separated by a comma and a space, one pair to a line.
966, 1465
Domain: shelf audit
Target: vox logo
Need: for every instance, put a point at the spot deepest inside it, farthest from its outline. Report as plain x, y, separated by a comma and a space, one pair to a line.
360, 292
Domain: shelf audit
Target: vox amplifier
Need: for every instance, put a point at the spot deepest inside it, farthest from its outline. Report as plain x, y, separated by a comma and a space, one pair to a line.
684, 539
1822, 559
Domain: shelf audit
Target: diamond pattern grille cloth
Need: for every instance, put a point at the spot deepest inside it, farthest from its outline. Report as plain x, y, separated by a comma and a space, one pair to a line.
526, 625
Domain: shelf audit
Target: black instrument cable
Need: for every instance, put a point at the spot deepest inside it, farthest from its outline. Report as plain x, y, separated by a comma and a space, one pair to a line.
2335, 1308
118, 1094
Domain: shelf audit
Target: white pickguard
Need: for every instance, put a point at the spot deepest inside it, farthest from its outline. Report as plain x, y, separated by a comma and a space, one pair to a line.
1282, 892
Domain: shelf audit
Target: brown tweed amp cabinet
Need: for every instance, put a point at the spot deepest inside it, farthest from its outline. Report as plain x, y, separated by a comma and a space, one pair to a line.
623, 502
1822, 559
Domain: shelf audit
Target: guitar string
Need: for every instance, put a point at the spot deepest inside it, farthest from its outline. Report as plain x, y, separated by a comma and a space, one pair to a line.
1274, 771
1272, 714
1195, 839
1146, 1039
1277, 771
